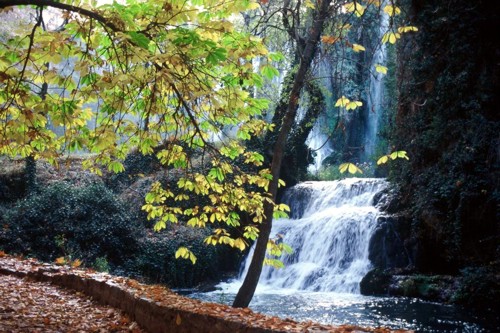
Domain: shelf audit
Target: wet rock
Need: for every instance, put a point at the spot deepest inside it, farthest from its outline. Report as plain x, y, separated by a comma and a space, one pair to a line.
376, 282
390, 246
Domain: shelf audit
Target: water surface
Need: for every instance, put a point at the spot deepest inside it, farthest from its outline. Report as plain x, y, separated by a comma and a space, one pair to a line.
343, 308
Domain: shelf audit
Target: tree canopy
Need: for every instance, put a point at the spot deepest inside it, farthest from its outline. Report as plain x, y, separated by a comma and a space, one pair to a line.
175, 75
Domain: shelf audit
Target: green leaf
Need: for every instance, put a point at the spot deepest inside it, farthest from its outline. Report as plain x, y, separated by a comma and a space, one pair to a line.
116, 167
276, 56
216, 56
269, 72
139, 39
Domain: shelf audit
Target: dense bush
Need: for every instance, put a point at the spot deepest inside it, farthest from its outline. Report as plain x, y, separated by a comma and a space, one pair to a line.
82, 222
156, 262
91, 224
480, 287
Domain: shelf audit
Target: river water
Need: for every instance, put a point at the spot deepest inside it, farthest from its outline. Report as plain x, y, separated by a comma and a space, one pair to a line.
354, 309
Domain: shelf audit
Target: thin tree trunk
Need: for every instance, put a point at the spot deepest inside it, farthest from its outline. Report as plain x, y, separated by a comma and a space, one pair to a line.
247, 290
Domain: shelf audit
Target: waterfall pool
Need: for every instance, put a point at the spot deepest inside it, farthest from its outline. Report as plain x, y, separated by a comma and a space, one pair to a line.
330, 228
342, 308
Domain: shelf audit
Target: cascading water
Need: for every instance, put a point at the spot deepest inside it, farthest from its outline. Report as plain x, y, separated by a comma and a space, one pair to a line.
330, 231
330, 228
319, 144
375, 94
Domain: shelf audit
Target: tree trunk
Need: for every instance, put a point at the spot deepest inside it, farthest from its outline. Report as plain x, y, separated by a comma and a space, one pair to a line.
249, 285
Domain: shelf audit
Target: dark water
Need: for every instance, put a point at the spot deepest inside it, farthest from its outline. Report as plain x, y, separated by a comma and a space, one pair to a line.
337, 309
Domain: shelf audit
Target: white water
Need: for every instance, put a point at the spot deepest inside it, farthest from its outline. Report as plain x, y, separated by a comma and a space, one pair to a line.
318, 142
330, 232
375, 98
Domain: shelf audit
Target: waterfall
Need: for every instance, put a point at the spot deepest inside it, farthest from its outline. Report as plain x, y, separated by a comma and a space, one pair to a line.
318, 142
376, 93
330, 227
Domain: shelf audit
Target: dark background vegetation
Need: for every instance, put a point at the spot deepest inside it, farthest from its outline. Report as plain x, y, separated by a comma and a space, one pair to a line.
76, 215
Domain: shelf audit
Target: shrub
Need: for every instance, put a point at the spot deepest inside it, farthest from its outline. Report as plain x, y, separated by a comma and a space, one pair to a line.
480, 288
91, 220
156, 262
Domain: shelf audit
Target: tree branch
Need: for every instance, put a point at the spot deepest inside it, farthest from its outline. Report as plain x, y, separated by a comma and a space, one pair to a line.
63, 6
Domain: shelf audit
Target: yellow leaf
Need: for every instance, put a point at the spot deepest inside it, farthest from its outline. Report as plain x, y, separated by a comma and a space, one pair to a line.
407, 29
392, 10
342, 102
178, 320
239, 244
355, 7
350, 167
60, 261
399, 154
329, 39
309, 4
383, 160
76, 263
391, 37
353, 105
381, 69
185, 253
357, 48
253, 5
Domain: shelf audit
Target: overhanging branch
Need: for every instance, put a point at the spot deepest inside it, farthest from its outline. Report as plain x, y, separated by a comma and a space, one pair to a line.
59, 5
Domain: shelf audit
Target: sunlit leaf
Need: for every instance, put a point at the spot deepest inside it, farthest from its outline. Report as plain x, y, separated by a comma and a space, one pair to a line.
353, 105
381, 69
399, 154
309, 4
60, 261
407, 29
342, 102
391, 37
350, 167
185, 253
329, 39
382, 160
392, 10
355, 7
358, 48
